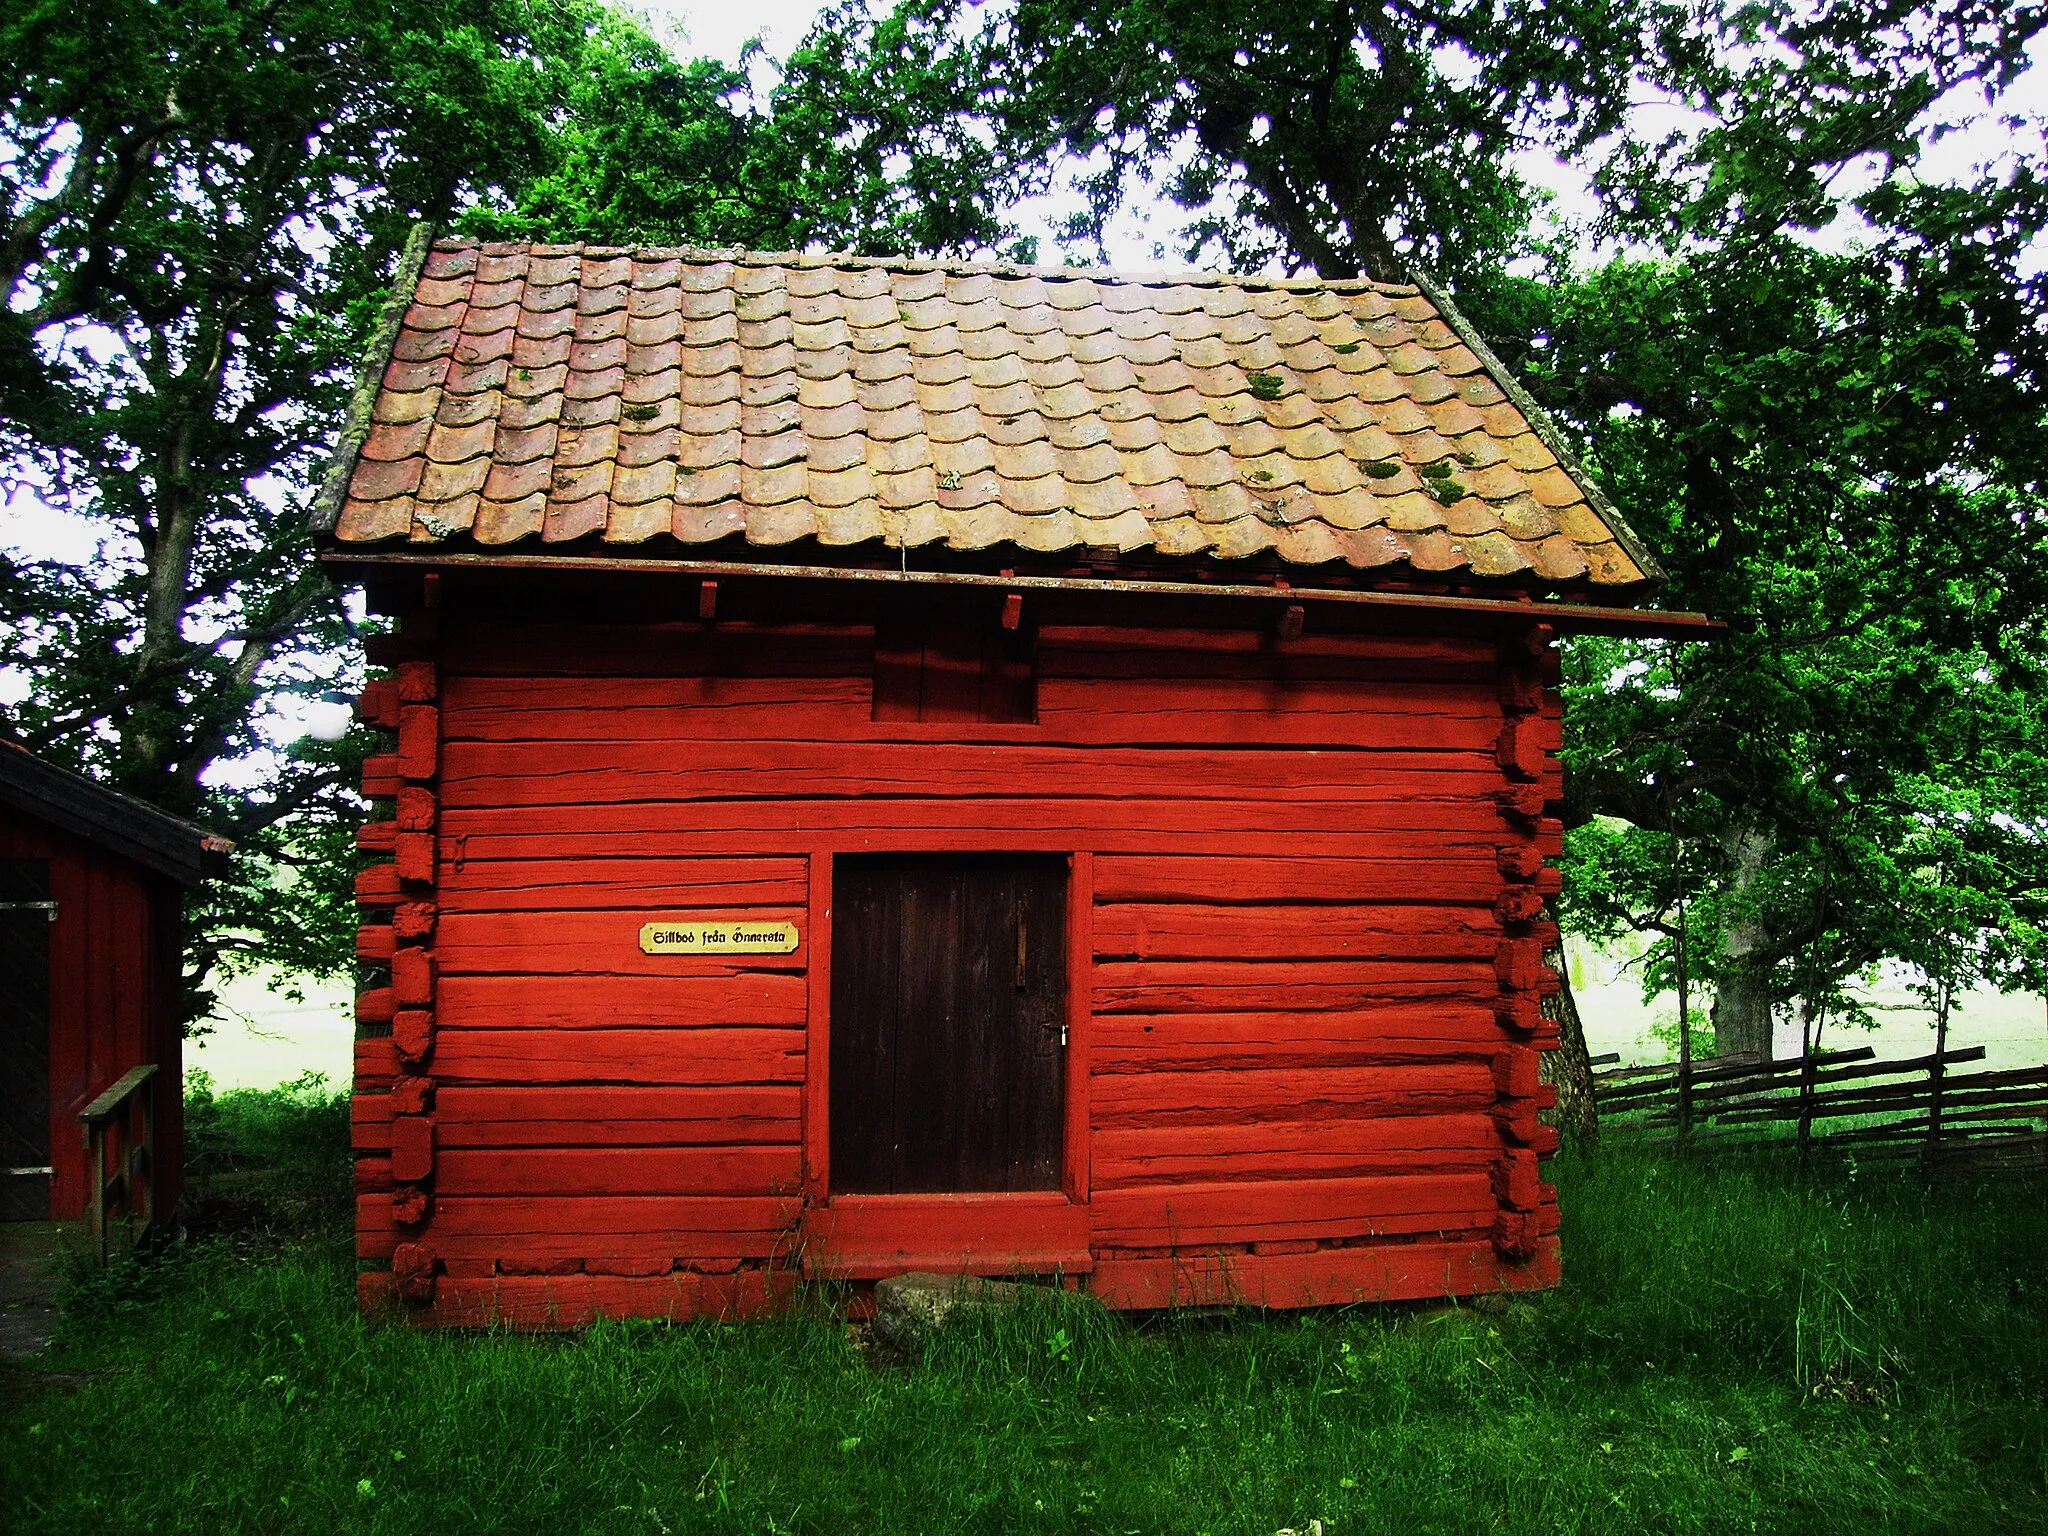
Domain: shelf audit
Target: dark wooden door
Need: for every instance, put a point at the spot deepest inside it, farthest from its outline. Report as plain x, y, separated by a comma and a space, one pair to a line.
949, 979
24, 1041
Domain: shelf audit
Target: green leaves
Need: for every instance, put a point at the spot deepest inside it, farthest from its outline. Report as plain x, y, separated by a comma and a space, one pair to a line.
1312, 134
642, 148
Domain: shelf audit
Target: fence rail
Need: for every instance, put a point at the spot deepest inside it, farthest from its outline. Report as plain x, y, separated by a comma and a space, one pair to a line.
120, 1142
1960, 1123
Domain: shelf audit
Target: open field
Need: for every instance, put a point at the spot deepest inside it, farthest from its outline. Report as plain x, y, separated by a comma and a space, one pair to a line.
1733, 1351
2011, 1026
257, 1037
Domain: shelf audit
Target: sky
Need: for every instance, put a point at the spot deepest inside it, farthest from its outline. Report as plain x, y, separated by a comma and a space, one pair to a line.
719, 30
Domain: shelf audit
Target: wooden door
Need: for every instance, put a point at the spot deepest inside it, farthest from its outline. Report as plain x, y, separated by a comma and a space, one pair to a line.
24, 1040
948, 1053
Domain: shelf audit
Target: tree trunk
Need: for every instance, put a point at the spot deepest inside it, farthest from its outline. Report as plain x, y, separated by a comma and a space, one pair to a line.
1569, 1068
1742, 995
1742, 1011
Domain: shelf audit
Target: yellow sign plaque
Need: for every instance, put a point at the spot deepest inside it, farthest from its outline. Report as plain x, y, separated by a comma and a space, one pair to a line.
718, 938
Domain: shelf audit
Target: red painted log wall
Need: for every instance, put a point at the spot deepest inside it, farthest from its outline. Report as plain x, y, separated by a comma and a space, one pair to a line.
1315, 987
115, 998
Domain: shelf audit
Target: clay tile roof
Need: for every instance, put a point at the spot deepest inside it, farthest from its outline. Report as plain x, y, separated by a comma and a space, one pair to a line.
533, 395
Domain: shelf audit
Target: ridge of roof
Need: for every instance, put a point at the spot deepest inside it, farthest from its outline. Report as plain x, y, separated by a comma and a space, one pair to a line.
1162, 277
109, 818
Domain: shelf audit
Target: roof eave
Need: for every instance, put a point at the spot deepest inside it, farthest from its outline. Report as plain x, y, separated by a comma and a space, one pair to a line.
111, 820
1565, 615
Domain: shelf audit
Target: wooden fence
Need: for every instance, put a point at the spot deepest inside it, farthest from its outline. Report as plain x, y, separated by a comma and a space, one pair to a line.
1962, 1123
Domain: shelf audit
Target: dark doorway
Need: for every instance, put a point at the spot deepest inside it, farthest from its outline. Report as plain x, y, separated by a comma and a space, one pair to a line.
949, 977
24, 1040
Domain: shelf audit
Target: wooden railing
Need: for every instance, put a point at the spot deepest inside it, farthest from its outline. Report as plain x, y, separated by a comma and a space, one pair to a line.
1963, 1123
120, 1142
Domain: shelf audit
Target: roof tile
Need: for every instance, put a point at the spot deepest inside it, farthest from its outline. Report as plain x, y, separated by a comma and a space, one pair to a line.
593, 375
1307, 543
531, 352
1024, 461
1043, 494
701, 524
590, 411
957, 461
397, 440
566, 520
901, 455
445, 482
837, 454
650, 441
708, 486
1107, 497
915, 486
1330, 475
856, 523
506, 522
637, 523
1479, 452
1559, 559
380, 480
522, 411
515, 482
445, 261
1357, 508
548, 290
1554, 488
456, 445
658, 330
587, 445
547, 323
1432, 550
1023, 427
1370, 548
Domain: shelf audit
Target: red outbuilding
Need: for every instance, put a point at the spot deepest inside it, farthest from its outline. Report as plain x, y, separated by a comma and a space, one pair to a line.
92, 893
900, 766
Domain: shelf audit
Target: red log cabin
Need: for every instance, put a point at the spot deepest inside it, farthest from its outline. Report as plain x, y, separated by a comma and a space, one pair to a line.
900, 766
92, 922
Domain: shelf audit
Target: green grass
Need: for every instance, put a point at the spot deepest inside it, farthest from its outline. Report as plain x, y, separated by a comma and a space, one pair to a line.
1735, 1350
267, 1167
